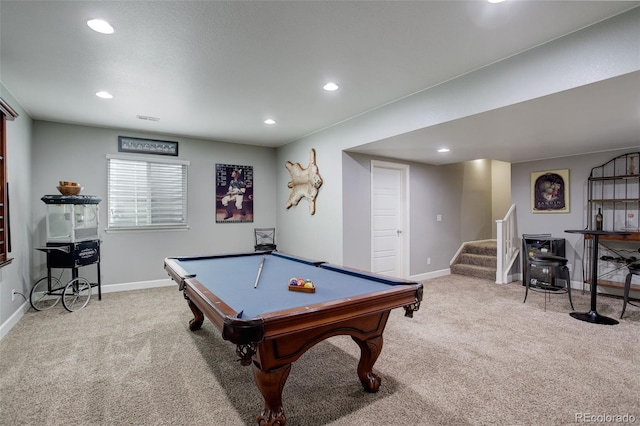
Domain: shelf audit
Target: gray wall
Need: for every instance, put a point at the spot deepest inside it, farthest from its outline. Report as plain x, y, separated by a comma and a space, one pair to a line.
474, 195
501, 192
17, 274
78, 153
460, 193
556, 223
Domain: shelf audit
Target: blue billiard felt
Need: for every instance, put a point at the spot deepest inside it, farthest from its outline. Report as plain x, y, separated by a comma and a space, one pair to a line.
232, 279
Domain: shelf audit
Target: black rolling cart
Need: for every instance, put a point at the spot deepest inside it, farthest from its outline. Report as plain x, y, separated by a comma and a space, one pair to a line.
72, 243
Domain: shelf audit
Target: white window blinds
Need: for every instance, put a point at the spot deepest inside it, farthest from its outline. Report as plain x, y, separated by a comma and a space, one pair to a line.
146, 194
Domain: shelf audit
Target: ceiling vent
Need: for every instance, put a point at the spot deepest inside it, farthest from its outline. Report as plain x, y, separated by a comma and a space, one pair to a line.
146, 117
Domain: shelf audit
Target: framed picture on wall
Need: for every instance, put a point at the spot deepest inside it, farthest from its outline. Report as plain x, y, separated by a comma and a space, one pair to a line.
234, 193
147, 146
550, 191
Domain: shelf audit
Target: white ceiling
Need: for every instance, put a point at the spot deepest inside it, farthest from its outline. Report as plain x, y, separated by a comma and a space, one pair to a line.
216, 69
598, 117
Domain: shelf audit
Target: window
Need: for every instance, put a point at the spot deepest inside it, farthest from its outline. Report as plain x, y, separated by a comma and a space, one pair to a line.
146, 194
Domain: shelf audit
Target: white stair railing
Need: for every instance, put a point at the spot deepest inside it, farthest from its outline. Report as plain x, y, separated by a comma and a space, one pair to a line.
507, 242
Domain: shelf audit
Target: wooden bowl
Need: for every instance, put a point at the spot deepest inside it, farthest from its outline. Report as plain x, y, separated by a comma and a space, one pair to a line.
69, 190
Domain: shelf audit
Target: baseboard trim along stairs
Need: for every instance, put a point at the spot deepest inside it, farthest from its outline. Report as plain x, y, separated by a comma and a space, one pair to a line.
477, 259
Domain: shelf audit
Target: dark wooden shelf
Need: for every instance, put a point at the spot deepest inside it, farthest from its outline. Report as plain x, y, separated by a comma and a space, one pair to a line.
614, 284
615, 200
633, 236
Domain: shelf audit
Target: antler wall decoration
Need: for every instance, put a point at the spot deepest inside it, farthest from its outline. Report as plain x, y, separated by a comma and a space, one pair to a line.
304, 182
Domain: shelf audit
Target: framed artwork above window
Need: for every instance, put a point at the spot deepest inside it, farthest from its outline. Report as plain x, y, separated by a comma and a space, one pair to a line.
147, 146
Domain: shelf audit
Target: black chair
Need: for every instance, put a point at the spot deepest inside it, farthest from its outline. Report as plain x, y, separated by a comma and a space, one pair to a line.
555, 265
634, 269
265, 239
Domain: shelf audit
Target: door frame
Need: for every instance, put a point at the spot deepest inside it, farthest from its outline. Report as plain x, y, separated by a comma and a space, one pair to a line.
404, 214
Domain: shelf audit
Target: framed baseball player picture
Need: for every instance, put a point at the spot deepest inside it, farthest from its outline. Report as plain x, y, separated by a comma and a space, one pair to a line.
234, 193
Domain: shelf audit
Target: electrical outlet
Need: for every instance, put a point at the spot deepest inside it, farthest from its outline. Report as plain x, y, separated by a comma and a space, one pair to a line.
13, 294
428, 261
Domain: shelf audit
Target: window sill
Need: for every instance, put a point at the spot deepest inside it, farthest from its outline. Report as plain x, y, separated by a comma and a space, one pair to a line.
146, 229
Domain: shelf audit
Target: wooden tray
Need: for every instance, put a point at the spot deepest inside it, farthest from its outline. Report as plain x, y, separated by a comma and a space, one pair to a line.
302, 289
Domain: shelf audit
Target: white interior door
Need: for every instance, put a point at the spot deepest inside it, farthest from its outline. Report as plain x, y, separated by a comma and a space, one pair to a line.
389, 219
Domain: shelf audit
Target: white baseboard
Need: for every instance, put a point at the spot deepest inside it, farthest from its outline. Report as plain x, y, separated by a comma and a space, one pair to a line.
6, 326
428, 275
509, 279
139, 285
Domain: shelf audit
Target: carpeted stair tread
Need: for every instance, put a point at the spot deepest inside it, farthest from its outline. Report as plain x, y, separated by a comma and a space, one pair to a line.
488, 248
477, 259
481, 272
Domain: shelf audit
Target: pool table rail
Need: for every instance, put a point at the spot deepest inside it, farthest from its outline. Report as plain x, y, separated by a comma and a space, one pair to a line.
235, 329
361, 273
334, 311
177, 274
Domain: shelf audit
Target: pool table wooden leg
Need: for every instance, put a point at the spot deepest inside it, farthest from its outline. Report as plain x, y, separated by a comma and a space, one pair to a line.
369, 351
270, 384
198, 317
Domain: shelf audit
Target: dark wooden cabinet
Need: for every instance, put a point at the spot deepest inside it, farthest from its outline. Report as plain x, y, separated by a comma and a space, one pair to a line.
6, 114
532, 245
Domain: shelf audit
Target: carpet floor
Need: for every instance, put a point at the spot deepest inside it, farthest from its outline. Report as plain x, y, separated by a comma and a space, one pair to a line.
474, 354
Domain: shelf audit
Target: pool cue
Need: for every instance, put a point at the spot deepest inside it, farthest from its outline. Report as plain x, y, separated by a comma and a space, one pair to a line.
259, 272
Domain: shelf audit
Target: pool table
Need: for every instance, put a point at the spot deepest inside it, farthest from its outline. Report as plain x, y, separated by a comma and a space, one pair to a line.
273, 326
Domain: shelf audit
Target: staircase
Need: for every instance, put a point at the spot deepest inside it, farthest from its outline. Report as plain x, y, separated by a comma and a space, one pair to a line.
477, 259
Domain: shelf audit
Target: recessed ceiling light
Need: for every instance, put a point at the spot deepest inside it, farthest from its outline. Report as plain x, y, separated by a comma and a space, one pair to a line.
495, 1
330, 87
101, 26
104, 95
443, 150
269, 121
